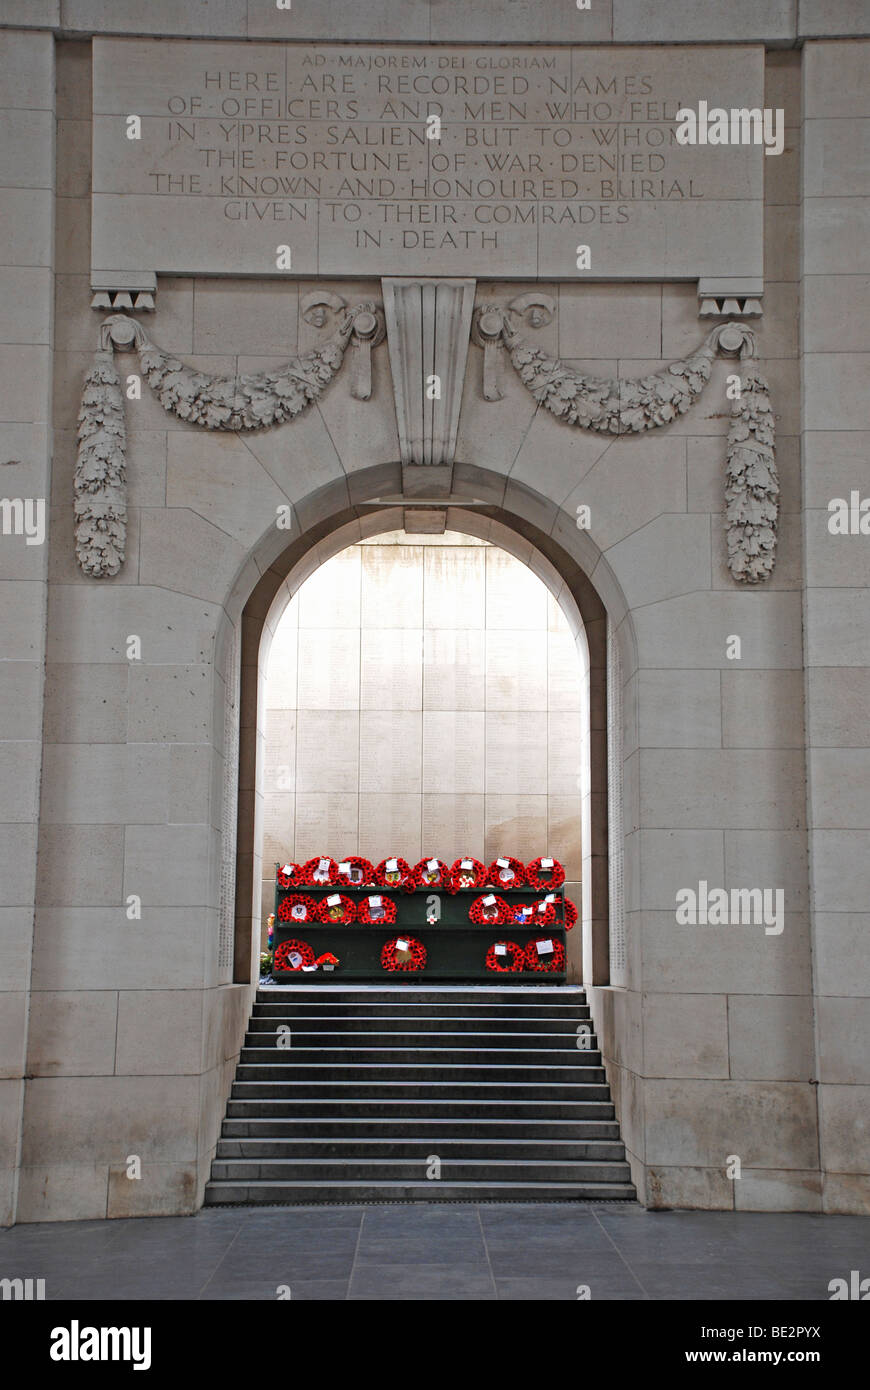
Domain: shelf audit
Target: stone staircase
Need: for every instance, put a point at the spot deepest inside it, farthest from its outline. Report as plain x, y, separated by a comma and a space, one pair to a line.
375, 1083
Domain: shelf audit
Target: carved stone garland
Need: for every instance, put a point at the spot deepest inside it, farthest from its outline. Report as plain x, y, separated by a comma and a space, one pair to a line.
632, 406
217, 403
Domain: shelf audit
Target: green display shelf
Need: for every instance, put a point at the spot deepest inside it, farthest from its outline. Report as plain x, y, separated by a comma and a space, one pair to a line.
455, 947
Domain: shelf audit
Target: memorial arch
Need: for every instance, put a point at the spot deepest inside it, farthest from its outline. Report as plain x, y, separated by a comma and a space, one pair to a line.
558, 569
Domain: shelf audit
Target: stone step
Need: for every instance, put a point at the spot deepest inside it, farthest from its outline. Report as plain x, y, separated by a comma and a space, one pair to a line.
419, 1148
350, 1105
291, 1007
311, 1193
476, 1170
380, 1025
307, 1069
534, 995
425, 1129
349, 1092
442, 1058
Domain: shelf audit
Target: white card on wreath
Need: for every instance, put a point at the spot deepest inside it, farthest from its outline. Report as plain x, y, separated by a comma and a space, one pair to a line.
544, 948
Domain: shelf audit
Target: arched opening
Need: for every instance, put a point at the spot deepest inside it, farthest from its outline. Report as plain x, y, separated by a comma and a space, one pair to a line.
268, 584
425, 694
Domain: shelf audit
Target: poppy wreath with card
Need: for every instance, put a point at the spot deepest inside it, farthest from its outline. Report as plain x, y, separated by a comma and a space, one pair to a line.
542, 878
440, 875
415, 952
359, 874
570, 914
341, 913
543, 914
285, 880
473, 876
485, 914
514, 868
289, 948
554, 960
364, 911
400, 877
513, 955
297, 900
313, 876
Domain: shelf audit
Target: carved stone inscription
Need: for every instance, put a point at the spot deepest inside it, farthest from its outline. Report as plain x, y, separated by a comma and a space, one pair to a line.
379, 160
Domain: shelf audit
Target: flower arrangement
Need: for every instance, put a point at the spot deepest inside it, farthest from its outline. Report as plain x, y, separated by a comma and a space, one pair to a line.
355, 871
545, 873
318, 872
338, 908
395, 873
287, 876
468, 873
327, 961
403, 953
506, 872
488, 910
553, 959
508, 959
297, 907
376, 908
431, 873
293, 955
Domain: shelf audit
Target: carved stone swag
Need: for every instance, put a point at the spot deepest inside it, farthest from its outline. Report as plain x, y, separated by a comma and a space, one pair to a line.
270, 398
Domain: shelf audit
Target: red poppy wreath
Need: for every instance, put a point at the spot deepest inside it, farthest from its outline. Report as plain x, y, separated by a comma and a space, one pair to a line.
297, 907
489, 909
521, 913
318, 872
544, 874
355, 872
431, 873
506, 872
543, 913
336, 907
404, 953
292, 955
510, 958
287, 876
376, 910
468, 873
551, 960
570, 914
395, 873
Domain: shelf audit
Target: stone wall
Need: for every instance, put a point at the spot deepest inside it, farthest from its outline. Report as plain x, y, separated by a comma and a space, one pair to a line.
722, 1041
835, 333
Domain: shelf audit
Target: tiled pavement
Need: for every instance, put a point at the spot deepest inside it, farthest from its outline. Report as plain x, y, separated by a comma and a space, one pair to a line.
442, 1252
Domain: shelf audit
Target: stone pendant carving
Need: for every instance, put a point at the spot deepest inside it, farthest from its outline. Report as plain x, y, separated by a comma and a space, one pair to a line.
251, 402
631, 406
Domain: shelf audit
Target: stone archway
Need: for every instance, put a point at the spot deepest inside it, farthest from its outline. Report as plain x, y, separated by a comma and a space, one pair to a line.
279, 565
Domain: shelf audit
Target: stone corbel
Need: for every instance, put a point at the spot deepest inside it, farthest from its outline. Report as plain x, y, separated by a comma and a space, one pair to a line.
727, 298
128, 291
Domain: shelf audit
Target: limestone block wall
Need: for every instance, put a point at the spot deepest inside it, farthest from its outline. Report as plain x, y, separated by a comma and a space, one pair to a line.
835, 330
27, 196
423, 697
722, 1041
